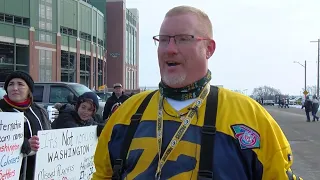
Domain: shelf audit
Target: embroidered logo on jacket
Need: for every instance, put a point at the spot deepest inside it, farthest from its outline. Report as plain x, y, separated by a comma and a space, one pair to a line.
247, 137
115, 107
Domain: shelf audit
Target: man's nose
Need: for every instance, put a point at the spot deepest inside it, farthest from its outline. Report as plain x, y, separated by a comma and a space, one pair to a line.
172, 47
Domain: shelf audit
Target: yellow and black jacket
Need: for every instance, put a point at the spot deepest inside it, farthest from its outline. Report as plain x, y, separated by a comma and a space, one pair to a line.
249, 144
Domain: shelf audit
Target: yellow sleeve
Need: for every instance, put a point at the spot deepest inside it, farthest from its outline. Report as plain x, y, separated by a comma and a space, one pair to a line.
279, 166
278, 153
101, 157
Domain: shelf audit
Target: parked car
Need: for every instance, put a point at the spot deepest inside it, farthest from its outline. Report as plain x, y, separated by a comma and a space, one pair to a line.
2, 92
268, 102
47, 94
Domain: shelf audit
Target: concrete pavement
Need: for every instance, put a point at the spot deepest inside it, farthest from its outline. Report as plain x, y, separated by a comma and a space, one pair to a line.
304, 138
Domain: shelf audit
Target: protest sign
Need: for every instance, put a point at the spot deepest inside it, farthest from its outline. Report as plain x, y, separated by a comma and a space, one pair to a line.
11, 139
66, 154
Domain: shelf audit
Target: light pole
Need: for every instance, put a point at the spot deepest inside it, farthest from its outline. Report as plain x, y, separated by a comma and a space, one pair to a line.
318, 41
245, 91
305, 73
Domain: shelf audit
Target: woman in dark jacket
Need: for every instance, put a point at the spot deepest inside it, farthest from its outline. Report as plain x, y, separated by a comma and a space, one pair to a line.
82, 115
308, 107
19, 88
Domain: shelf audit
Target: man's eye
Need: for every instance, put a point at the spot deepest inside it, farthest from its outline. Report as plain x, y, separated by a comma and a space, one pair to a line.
184, 38
163, 39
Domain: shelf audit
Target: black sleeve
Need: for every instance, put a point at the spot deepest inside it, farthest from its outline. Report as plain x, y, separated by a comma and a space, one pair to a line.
98, 118
99, 129
107, 109
65, 120
45, 121
26, 148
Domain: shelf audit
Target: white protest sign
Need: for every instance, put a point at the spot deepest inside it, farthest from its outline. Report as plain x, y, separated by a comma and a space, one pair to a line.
66, 154
11, 140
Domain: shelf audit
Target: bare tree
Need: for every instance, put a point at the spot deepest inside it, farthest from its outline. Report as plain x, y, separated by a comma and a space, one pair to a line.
311, 89
238, 91
266, 92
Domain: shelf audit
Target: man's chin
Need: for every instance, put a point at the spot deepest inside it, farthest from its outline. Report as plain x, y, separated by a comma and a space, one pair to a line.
175, 81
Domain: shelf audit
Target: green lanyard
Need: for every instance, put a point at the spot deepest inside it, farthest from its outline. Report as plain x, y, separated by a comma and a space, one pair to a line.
180, 132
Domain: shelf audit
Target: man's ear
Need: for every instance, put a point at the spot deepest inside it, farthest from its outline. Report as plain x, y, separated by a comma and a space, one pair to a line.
211, 47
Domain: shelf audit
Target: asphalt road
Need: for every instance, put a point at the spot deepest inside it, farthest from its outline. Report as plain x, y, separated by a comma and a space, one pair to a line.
304, 138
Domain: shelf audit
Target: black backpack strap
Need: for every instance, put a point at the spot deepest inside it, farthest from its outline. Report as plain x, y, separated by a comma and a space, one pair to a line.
135, 119
208, 136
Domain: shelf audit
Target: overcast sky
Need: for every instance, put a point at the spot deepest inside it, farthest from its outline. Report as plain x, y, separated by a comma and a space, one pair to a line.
257, 41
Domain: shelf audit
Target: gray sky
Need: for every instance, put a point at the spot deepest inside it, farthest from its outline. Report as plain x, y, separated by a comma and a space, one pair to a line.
257, 41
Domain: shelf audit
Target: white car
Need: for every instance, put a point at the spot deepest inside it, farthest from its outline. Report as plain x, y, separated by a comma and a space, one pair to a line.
2, 92
268, 102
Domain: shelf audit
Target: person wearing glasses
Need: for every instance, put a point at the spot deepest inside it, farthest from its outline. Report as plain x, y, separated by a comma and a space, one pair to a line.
188, 129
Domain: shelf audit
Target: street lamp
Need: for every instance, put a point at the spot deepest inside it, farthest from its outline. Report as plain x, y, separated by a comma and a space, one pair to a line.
305, 73
318, 41
245, 91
